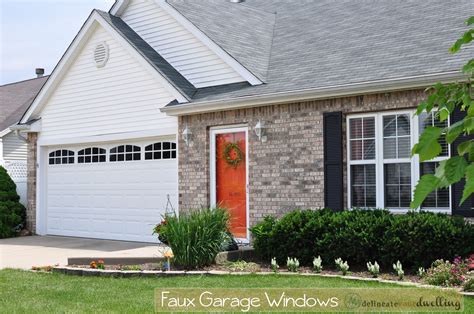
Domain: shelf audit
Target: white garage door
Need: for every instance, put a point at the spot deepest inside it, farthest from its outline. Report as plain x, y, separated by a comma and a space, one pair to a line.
113, 191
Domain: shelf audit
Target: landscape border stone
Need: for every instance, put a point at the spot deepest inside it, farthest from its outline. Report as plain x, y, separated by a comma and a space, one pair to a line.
158, 273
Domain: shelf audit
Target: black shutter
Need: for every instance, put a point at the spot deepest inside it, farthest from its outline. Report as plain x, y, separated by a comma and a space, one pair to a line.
457, 189
333, 165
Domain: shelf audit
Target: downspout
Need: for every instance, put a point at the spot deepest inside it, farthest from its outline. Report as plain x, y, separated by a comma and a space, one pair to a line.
2, 161
21, 137
18, 128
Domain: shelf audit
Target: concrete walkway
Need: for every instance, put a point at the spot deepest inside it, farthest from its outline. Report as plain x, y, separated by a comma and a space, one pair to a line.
25, 252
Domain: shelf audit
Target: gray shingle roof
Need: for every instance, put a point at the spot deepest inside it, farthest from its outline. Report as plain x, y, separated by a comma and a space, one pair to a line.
153, 57
245, 33
15, 98
323, 43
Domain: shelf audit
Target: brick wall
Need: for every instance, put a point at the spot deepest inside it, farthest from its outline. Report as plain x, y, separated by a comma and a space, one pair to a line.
286, 172
31, 182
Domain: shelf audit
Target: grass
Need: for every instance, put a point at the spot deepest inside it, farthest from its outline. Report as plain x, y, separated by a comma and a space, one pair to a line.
22, 291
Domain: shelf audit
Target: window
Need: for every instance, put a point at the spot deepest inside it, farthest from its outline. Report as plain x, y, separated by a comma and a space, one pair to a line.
362, 161
381, 172
396, 158
125, 153
91, 155
161, 150
439, 198
61, 156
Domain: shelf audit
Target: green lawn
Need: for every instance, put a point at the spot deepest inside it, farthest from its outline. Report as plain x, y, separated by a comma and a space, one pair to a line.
22, 291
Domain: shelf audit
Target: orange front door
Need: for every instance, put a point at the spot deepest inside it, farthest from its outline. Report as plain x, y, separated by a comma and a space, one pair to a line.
231, 179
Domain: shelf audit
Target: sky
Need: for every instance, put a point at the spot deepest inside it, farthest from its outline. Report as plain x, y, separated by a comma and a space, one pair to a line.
36, 33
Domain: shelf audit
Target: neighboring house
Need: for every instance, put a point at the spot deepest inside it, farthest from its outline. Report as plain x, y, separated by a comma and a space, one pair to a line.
15, 98
259, 106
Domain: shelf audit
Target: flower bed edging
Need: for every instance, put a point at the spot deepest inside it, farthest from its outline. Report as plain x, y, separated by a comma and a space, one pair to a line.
158, 273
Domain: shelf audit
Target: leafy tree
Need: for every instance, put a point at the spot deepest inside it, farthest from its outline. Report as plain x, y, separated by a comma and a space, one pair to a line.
443, 100
12, 212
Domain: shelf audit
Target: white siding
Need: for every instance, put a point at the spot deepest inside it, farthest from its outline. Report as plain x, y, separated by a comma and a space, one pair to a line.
13, 148
120, 97
196, 62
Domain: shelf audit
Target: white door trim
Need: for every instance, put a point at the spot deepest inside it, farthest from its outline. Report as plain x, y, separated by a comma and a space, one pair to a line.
212, 167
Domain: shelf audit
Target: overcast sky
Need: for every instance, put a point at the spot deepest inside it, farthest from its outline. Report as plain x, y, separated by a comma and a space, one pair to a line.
35, 33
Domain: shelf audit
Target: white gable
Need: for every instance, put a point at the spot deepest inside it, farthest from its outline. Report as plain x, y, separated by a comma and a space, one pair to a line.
119, 97
186, 53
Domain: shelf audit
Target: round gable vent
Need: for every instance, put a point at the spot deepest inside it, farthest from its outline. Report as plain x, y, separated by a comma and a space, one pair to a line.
101, 54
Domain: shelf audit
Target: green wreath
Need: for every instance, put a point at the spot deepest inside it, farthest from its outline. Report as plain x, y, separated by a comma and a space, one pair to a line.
233, 162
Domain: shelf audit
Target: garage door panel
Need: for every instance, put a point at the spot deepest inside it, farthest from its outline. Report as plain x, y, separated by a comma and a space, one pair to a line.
110, 200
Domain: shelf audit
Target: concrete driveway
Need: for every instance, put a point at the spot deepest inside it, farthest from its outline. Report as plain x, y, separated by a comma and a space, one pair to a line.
25, 252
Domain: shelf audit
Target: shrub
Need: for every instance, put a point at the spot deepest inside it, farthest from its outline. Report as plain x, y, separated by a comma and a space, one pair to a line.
196, 237
274, 265
292, 264
374, 269
317, 264
12, 213
398, 268
416, 239
445, 273
469, 285
342, 266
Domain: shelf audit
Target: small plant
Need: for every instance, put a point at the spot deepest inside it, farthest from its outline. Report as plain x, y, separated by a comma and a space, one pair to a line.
48, 268
100, 264
317, 264
374, 269
160, 230
421, 272
293, 264
342, 266
131, 267
469, 285
242, 266
93, 265
399, 270
274, 265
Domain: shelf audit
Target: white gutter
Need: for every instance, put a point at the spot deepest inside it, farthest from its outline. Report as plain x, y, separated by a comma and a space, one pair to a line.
345, 90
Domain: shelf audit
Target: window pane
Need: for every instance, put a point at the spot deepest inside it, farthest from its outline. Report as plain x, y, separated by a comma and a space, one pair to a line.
355, 128
369, 149
439, 198
362, 135
389, 126
396, 136
356, 150
432, 119
390, 148
368, 127
363, 186
397, 178
404, 149
403, 125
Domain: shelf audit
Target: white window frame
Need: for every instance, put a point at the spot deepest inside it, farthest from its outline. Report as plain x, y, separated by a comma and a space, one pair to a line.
379, 161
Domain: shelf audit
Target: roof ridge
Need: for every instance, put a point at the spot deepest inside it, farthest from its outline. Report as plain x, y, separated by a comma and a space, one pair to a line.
22, 81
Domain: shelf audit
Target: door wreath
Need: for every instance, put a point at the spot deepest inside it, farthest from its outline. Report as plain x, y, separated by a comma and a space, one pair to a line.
233, 154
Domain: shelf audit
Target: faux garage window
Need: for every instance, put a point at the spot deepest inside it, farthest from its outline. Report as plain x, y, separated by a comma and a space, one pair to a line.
160, 150
125, 153
382, 173
91, 155
61, 156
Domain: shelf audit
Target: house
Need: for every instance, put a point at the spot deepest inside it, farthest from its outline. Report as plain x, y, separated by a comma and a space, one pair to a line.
258, 106
15, 98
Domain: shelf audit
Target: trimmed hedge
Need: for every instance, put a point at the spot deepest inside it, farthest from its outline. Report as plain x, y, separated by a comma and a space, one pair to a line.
12, 213
416, 239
